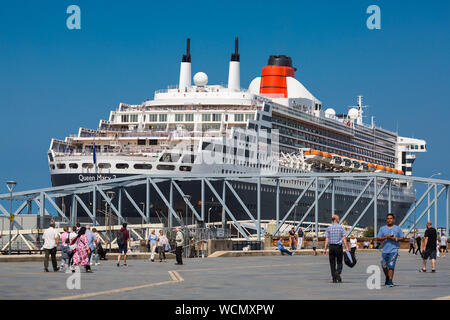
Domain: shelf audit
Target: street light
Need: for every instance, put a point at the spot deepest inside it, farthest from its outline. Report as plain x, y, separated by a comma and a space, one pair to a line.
110, 195
11, 185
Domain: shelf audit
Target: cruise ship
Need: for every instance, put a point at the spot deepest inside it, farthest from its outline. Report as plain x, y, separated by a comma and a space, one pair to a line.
274, 126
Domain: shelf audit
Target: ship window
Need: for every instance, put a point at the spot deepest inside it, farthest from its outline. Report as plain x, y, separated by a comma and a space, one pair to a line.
52, 166
238, 117
189, 117
188, 158
122, 165
104, 165
170, 157
133, 118
185, 168
61, 165
87, 165
152, 117
143, 166
249, 117
179, 117
73, 165
141, 142
163, 118
165, 167
125, 118
206, 117
216, 117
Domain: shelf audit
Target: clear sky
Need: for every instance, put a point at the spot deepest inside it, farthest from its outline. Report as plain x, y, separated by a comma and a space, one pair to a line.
54, 80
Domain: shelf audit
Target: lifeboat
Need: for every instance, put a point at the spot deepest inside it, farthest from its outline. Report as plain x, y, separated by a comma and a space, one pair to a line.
356, 165
380, 168
372, 167
327, 157
346, 162
364, 166
336, 160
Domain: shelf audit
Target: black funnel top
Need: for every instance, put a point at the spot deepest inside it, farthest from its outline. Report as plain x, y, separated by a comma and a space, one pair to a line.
281, 60
235, 55
187, 56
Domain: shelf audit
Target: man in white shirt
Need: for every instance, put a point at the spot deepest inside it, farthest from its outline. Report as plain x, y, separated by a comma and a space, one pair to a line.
50, 238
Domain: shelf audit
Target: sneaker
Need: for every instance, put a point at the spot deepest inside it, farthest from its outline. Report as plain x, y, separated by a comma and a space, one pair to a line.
391, 284
293, 253
118, 264
386, 282
46, 270
56, 270
338, 278
432, 270
423, 270
124, 264
97, 263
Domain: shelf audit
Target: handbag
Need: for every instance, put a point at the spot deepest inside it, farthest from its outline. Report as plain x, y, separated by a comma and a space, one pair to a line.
167, 247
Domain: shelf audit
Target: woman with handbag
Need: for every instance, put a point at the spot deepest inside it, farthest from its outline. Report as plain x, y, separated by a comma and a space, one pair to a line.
81, 256
163, 242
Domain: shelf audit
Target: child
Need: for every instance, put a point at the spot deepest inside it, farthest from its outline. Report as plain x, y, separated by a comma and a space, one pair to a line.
65, 255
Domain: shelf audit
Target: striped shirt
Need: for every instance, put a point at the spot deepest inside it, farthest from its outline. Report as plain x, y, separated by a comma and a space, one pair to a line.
335, 233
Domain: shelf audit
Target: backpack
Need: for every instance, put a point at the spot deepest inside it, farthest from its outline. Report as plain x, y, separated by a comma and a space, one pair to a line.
120, 238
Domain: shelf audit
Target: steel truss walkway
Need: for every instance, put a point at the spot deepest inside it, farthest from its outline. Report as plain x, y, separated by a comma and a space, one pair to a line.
377, 181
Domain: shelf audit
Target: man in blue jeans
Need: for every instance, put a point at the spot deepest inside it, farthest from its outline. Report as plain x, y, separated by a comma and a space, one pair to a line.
391, 235
282, 249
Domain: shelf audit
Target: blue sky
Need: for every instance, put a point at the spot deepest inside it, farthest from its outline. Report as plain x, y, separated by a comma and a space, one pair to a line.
54, 80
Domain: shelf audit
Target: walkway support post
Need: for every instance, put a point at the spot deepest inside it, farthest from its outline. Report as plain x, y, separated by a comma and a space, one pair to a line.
316, 207
258, 203
332, 197
170, 203
390, 197
94, 205
278, 205
203, 201
223, 207
435, 207
447, 210
375, 207
147, 200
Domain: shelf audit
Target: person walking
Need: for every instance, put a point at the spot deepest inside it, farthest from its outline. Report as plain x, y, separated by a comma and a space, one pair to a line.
334, 237
282, 249
122, 241
65, 255
179, 239
353, 244
443, 244
162, 242
429, 248
292, 238
63, 237
50, 238
391, 234
418, 241
94, 254
314, 244
72, 246
82, 252
151, 239
300, 238
411, 244
91, 239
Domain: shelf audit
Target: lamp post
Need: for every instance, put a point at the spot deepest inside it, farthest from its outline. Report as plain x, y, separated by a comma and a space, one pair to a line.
110, 195
11, 186
428, 216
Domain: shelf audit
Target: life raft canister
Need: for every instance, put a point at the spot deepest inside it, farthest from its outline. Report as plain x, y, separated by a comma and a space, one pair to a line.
273, 76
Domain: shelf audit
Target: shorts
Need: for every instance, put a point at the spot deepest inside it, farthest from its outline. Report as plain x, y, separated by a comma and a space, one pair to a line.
388, 260
429, 254
443, 248
123, 249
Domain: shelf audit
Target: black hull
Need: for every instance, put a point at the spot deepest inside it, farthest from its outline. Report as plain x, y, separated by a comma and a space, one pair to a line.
213, 209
